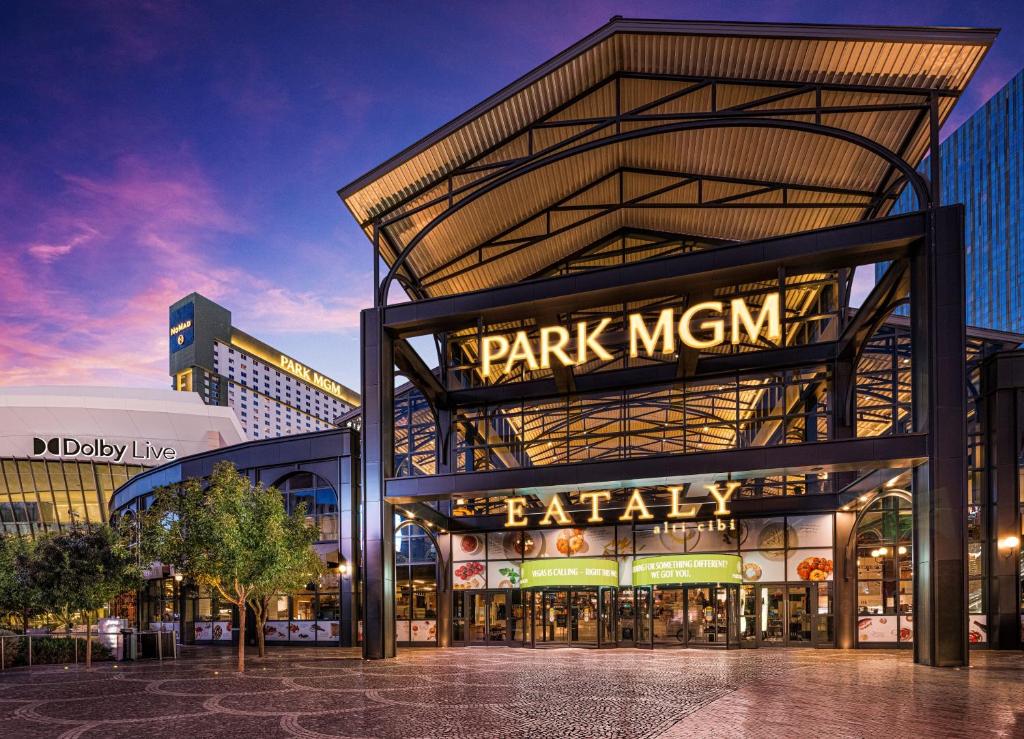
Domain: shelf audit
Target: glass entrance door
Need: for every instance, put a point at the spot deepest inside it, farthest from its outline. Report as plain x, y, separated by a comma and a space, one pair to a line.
787, 616
644, 614
771, 614
476, 617
584, 612
487, 617
748, 616
551, 618
497, 617
798, 612
625, 618
669, 616
609, 602
569, 616
708, 621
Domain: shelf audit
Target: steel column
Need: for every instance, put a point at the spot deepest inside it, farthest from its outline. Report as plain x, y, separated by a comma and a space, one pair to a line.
940, 485
845, 579
378, 570
1001, 416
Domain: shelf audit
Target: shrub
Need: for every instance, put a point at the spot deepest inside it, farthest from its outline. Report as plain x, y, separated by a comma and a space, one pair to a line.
50, 650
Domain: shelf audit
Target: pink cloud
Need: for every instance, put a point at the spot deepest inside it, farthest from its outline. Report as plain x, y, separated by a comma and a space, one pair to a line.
86, 293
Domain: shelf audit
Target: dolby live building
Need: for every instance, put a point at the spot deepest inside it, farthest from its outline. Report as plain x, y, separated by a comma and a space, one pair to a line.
64, 450
656, 420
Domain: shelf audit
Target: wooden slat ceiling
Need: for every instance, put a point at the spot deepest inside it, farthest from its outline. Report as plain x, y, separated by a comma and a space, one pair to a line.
493, 241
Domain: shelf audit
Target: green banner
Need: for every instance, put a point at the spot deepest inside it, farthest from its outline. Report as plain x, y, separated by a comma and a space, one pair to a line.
683, 569
542, 573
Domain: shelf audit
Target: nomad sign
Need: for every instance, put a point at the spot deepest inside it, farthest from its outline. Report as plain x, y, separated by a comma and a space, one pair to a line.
701, 326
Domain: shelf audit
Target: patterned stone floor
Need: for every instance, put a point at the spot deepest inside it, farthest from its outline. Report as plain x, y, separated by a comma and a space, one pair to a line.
489, 692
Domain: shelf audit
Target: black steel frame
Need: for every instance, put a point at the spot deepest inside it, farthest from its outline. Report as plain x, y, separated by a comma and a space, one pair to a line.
924, 245
468, 182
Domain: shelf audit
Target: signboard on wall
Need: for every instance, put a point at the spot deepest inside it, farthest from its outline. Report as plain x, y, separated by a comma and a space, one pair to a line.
568, 572
684, 569
182, 329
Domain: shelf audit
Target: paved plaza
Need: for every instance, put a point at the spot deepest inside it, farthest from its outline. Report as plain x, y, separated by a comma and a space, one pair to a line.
500, 692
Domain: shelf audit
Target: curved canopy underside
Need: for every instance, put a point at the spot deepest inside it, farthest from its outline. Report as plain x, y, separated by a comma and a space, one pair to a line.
716, 131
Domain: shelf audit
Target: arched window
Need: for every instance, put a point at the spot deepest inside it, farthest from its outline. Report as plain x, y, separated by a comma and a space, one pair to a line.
885, 571
312, 614
415, 585
319, 497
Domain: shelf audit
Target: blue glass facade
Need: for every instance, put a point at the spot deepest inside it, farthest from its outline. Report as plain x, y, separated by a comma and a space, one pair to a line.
983, 168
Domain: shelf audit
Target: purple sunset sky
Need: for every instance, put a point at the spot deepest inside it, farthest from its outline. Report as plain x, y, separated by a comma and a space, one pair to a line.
150, 149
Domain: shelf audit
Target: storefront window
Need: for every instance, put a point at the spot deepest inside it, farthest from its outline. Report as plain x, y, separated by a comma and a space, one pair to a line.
885, 572
415, 585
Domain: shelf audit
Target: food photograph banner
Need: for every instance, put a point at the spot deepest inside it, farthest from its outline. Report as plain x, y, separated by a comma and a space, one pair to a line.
568, 572
687, 568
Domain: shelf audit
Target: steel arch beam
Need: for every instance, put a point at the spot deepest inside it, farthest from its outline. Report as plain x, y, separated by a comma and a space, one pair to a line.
921, 189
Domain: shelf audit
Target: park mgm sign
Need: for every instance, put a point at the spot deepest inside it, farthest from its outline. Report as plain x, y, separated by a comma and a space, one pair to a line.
290, 366
701, 326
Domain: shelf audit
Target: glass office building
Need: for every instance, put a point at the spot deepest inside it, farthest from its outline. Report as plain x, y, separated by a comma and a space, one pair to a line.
983, 168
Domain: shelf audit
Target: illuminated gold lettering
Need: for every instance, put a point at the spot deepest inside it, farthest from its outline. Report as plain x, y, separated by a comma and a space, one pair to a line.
595, 515
493, 349
514, 507
178, 328
662, 330
722, 497
547, 348
717, 327
588, 340
769, 314
677, 510
556, 511
635, 504
521, 352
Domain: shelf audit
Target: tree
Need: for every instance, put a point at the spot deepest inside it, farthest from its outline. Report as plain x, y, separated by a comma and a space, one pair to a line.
229, 535
83, 570
20, 598
289, 568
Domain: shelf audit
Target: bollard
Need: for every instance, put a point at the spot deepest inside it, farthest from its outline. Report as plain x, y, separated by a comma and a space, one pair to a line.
76, 650
29, 637
160, 645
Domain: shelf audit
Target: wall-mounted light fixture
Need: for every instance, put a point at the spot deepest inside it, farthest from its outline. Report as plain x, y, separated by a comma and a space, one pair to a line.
1010, 544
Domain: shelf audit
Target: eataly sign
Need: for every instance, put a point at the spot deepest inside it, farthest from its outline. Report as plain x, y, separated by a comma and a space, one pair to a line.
636, 508
705, 318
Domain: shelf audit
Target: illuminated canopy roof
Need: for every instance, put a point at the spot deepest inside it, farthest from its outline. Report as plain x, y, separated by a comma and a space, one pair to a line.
715, 131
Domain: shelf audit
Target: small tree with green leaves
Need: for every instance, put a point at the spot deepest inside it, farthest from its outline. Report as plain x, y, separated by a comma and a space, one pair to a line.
83, 570
231, 536
289, 568
20, 597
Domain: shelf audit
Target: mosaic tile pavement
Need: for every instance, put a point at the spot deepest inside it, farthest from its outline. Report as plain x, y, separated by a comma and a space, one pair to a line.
501, 692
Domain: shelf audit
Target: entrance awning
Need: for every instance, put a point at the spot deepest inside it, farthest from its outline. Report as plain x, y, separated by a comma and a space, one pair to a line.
733, 131
579, 571
688, 569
